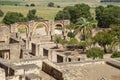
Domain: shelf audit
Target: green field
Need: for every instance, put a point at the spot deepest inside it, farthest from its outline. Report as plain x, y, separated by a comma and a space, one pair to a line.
44, 12
41, 6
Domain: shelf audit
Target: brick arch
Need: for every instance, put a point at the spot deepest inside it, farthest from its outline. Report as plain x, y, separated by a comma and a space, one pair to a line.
24, 26
62, 25
5, 26
45, 25
58, 24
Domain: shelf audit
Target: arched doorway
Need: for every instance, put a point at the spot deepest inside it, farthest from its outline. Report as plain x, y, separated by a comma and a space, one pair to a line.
58, 29
40, 29
22, 30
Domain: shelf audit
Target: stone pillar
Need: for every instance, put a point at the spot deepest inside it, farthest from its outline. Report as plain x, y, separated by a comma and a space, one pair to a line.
27, 44
2, 74
50, 54
64, 59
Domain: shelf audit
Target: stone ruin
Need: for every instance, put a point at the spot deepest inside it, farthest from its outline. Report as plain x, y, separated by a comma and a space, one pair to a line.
34, 56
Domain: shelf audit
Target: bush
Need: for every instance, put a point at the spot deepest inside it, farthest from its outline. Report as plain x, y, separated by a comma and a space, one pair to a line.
58, 6
115, 55
50, 4
16, 4
75, 12
32, 15
13, 17
32, 4
27, 5
1, 13
71, 34
94, 53
62, 15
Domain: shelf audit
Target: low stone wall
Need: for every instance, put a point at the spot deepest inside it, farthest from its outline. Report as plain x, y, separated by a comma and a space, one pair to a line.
52, 71
114, 63
16, 77
83, 63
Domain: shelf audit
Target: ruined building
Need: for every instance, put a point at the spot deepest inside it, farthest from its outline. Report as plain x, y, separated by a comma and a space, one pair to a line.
34, 56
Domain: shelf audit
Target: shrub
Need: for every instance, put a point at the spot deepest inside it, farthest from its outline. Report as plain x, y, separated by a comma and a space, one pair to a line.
27, 5
115, 55
94, 53
32, 4
13, 17
58, 6
50, 4
71, 34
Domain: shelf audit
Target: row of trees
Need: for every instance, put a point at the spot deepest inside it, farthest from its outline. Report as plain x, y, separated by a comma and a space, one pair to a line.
13, 17
50, 4
104, 15
107, 39
74, 12
107, 15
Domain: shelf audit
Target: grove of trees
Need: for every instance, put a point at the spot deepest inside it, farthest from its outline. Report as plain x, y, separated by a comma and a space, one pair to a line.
73, 13
81, 23
107, 16
13, 17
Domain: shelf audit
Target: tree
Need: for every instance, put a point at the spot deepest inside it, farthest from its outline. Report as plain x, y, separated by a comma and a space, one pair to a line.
71, 27
63, 42
107, 16
77, 11
1, 13
32, 4
73, 42
99, 12
71, 34
103, 39
83, 45
94, 53
31, 15
84, 28
50, 4
115, 55
115, 31
62, 15
27, 5
13, 17
57, 40
58, 6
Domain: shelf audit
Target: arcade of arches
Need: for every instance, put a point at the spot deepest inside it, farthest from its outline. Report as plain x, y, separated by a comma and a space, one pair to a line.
44, 27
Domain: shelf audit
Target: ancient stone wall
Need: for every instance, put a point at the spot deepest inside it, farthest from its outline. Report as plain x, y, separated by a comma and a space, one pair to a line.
15, 50
4, 34
2, 74
52, 71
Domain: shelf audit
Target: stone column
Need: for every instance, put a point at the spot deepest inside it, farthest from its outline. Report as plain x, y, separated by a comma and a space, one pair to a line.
2, 74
